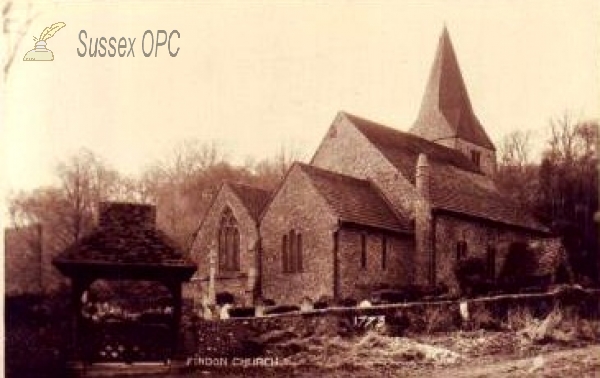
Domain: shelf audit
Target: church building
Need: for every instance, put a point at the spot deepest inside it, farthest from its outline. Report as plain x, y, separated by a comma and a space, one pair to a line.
375, 207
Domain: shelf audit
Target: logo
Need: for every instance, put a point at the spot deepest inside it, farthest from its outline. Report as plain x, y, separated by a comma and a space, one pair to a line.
41, 53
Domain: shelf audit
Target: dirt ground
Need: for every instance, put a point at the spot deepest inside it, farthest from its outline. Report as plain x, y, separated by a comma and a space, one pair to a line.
580, 362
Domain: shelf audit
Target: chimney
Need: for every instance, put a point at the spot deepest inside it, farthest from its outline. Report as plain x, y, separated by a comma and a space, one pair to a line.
424, 260
121, 214
423, 176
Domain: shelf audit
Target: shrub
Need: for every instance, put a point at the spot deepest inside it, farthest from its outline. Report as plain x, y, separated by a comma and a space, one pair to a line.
224, 298
519, 270
438, 318
242, 312
323, 302
409, 293
348, 302
472, 277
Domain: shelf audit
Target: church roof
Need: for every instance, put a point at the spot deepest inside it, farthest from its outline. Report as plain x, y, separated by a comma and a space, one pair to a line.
354, 200
253, 198
457, 185
446, 110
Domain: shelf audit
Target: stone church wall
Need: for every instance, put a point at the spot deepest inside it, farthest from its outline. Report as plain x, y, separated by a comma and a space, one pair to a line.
298, 206
449, 230
345, 150
357, 282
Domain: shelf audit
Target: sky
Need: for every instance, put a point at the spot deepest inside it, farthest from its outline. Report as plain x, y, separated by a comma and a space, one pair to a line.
255, 75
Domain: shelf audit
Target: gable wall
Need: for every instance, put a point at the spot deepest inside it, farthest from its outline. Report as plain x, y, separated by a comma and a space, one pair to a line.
357, 282
345, 150
233, 282
297, 205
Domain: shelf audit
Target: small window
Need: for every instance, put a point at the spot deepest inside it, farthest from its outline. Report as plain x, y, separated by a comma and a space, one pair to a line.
491, 261
476, 157
384, 253
461, 249
363, 251
291, 245
285, 254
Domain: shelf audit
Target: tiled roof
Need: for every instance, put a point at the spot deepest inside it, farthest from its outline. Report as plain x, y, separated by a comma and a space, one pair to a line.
457, 185
402, 149
254, 199
476, 195
125, 245
446, 111
354, 200
126, 234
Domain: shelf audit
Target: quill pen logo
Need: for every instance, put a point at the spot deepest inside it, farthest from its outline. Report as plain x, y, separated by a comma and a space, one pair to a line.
41, 53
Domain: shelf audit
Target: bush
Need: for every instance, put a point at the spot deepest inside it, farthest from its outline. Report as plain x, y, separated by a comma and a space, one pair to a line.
409, 293
242, 312
322, 302
224, 298
472, 277
519, 270
347, 302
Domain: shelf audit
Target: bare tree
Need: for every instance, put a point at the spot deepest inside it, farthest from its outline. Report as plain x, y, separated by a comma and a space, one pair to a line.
14, 28
568, 195
85, 181
515, 149
269, 172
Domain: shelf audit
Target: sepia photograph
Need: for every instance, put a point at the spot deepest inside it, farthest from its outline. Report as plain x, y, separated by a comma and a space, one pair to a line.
300, 188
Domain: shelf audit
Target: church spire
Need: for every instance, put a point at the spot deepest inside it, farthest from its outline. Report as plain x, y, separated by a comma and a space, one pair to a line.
446, 114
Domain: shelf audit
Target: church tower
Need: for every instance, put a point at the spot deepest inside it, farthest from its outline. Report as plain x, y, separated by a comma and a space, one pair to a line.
446, 116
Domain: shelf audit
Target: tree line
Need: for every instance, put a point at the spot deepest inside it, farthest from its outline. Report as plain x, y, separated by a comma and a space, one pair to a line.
561, 189
181, 185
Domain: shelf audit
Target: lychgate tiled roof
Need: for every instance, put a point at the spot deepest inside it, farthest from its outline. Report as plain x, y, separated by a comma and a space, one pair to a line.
131, 245
446, 111
125, 235
254, 199
457, 185
354, 200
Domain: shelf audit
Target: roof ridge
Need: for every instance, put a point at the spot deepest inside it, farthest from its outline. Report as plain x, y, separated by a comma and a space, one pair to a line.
405, 134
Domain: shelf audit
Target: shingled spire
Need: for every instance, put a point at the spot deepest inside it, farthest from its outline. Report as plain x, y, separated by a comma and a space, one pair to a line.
446, 114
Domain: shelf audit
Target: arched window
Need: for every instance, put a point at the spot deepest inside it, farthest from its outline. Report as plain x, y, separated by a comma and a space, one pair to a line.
229, 242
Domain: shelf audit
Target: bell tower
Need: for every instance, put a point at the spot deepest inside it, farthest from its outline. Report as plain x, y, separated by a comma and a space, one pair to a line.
446, 116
